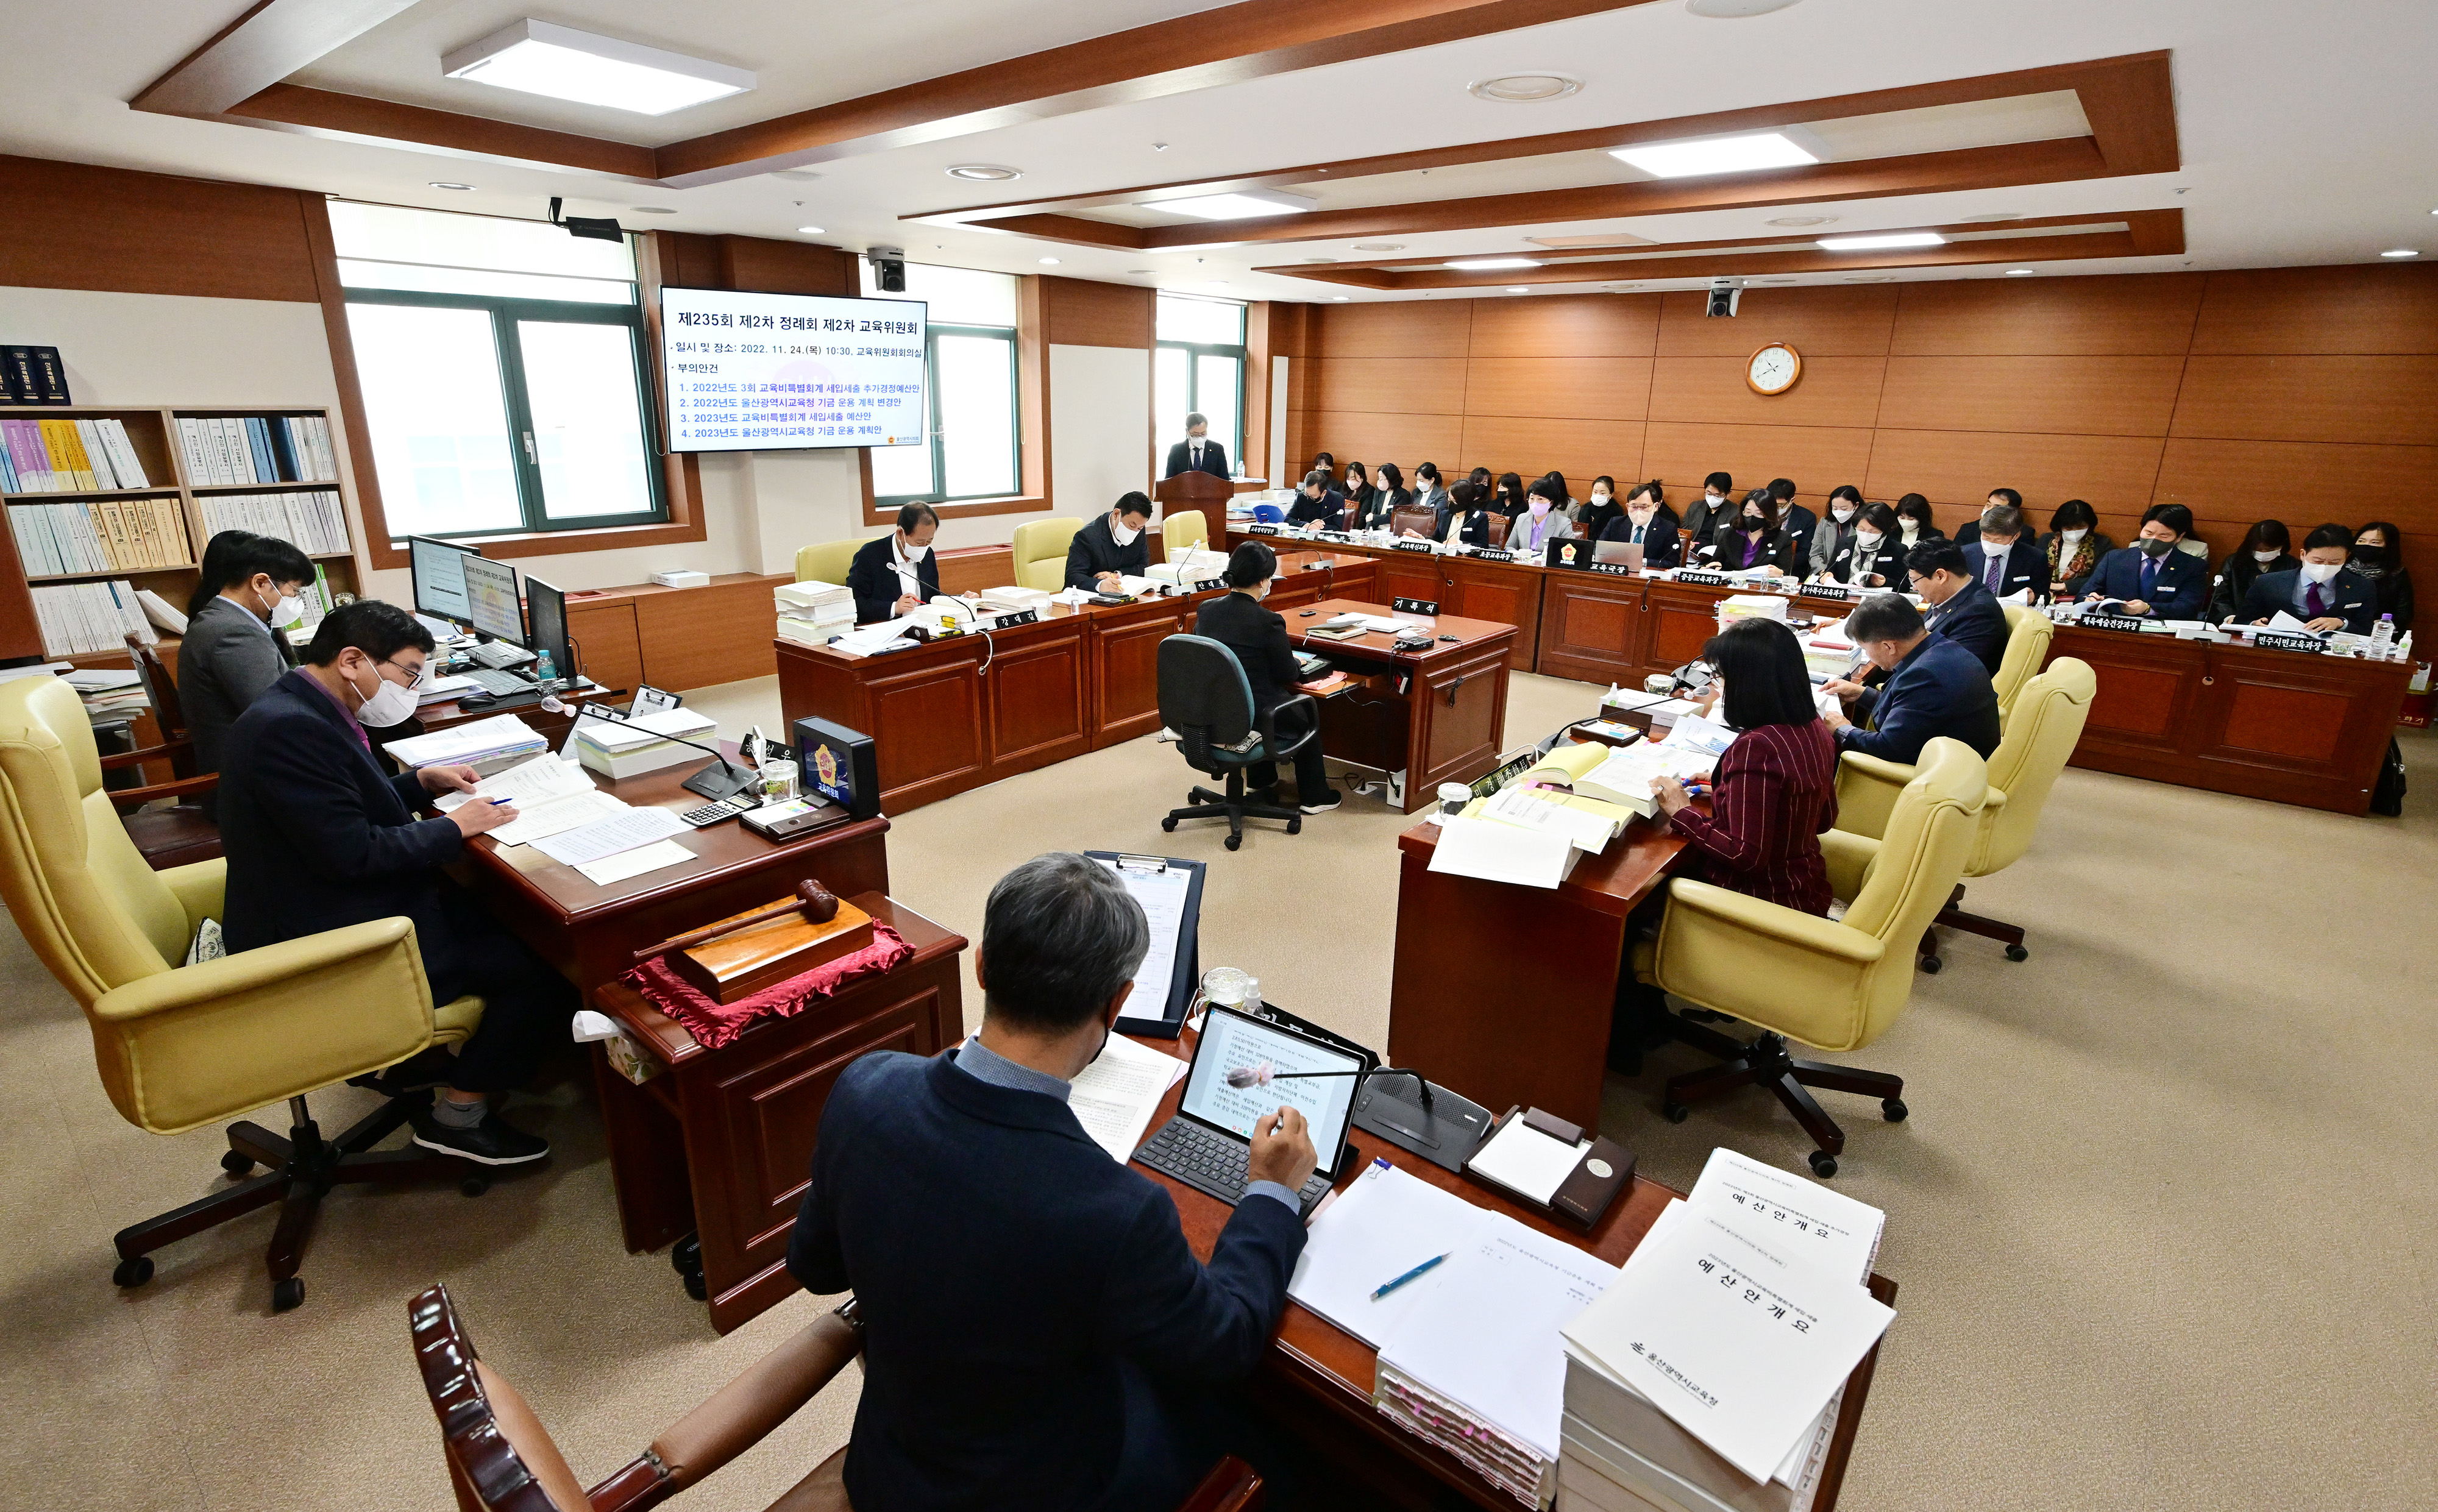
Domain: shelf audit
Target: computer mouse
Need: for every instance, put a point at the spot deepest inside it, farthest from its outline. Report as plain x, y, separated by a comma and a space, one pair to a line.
1307, 614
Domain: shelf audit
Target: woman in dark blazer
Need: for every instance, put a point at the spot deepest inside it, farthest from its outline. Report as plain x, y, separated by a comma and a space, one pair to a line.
1375, 512
2378, 554
1468, 517
2267, 547
1646, 518
1356, 488
2074, 547
1914, 522
1603, 506
1870, 556
1751, 538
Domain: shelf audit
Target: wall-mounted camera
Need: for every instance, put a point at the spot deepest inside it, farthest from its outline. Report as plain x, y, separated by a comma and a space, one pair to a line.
888, 268
1723, 294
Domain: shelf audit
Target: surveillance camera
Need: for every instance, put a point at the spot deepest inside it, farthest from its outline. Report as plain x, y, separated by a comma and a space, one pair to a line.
888, 268
1724, 295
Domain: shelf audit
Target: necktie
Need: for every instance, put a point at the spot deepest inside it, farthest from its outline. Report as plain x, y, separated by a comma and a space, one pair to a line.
1997, 572
2313, 605
2149, 577
1197, 454
1637, 534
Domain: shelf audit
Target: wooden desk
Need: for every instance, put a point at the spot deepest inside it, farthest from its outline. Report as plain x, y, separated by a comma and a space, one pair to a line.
1331, 1369
967, 711
1505, 993
551, 726
1445, 726
722, 1141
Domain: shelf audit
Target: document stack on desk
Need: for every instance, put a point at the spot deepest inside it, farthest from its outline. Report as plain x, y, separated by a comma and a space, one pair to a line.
810, 613
1708, 1377
1189, 567
486, 745
620, 749
1624, 777
551, 797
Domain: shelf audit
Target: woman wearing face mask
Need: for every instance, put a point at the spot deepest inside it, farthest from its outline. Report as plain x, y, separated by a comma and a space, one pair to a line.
234, 648
1544, 518
1752, 538
1259, 638
1467, 521
1323, 461
2378, 554
1508, 499
1431, 498
1837, 531
1716, 501
1648, 523
896, 573
2267, 547
1377, 511
1914, 522
2074, 547
1358, 491
1592, 515
1870, 557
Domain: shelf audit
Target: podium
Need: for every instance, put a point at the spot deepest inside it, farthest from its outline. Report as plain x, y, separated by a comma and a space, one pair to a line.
1195, 491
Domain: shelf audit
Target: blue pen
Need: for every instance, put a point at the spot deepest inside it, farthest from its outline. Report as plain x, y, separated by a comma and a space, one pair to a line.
1409, 1275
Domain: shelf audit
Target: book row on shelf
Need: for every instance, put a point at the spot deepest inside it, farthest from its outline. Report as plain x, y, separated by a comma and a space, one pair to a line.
78, 619
100, 535
67, 456
314, 522
251, 448
32, 374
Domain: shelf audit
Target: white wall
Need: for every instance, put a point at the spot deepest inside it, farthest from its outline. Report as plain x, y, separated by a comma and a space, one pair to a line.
1100, 428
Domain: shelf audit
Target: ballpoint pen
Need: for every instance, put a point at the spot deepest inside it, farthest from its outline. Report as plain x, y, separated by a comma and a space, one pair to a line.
1409, 1275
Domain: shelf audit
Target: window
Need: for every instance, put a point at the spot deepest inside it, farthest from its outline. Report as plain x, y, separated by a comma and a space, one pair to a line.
502, 370
1198, 367
969, 361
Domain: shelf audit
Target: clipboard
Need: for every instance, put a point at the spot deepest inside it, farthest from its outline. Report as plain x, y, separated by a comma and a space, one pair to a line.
1164, 1019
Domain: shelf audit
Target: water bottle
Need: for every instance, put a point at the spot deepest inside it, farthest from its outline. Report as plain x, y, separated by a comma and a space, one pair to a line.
543, 669
2382, 635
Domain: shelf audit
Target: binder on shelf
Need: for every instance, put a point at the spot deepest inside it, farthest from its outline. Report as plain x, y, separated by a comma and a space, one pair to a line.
50, 376
17, 376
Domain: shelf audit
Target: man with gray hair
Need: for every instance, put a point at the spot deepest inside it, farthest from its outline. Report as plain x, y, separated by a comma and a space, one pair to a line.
1037, 1333
2004, 558
1197, 453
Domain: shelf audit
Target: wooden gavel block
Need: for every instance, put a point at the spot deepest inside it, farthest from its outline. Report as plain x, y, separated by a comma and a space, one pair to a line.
783, 943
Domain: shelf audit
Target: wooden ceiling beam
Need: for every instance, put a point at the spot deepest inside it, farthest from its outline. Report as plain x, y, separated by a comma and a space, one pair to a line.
269, 41
442, 133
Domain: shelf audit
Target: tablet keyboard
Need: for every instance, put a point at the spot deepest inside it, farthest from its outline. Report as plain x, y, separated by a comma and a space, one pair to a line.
1210, 1161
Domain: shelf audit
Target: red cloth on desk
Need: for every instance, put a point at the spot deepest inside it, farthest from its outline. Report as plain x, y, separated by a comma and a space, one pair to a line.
715, 1024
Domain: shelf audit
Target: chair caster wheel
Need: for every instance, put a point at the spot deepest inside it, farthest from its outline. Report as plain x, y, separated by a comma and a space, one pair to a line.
288, 1295
695, 1287
1234, 842
686, 1255
1893, 1110
1168, 826
1295, 826
1675, 1112
132, 1273
1929, 964
1824, 1165
473, 1185
237, 1163
2018, 953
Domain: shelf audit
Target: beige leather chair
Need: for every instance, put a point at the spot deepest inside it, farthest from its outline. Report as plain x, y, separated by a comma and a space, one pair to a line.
179, 1047
2039, 738
2028, 634
1184, 532
826, 562
1040, 550
1836, 984
500, 1458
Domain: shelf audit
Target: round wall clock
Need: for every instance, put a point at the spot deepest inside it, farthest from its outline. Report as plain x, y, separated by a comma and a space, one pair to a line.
1774, 369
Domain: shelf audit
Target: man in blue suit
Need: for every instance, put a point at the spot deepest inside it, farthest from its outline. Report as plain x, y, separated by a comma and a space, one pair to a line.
1935, 687
1037, 1335
1961, 610
2002, 557
2151, 576
2326, 595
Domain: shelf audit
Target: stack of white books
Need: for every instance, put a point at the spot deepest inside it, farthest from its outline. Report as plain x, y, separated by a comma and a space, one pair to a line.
486, 745
1752, 606
810, 613
1708, 1377
1189, 567
620, 749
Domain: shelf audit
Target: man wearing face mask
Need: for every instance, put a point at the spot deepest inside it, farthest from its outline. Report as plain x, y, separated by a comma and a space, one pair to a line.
2326, 595
1109, 547
319, 835
1259, 639
2151, 576
1935, 687
896, 573
234, 648
1702, 515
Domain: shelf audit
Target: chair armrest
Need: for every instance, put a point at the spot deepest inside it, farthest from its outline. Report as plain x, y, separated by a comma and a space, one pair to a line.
149, 753
200, 887
130, 798
1866, 792
1849, 857
1267, 721
741, 1413
1756, 916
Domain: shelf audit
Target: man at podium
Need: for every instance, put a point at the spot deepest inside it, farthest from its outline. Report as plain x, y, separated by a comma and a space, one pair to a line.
1197, 453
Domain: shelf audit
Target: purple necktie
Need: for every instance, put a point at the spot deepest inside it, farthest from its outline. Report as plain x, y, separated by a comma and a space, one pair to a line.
1997, 572
2314, 606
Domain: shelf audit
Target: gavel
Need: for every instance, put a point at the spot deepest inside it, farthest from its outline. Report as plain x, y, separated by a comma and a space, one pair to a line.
814, 901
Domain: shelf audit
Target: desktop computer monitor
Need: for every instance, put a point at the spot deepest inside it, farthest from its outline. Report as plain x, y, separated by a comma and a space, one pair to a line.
491, 602
439, 572
546, 611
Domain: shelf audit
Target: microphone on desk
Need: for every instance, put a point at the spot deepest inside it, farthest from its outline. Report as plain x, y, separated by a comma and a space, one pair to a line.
1265, 1073
727, 782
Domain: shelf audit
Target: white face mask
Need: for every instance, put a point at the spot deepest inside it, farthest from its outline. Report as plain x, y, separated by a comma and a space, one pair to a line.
2072, 536
389, 704
286, 613
1599, 496
915, 554
2264, 558
1843, 512
1714, 500
2322, 572
1867, 541
1124, 534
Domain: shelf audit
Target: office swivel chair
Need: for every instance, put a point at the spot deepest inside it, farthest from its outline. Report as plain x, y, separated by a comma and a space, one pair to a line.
826, 562
181, 1046
180, 834
2040, 734
1421, 521
500, 1458
1040, 552
1184, 532
2028, 634
1836, 984
1205, 698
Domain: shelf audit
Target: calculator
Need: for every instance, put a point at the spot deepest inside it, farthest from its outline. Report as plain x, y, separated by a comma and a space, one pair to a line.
710, 814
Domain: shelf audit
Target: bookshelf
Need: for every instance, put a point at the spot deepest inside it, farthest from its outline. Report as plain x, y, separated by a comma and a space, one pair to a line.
171, 477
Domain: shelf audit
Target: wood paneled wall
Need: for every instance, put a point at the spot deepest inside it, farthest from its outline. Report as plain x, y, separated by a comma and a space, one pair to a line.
2305, 394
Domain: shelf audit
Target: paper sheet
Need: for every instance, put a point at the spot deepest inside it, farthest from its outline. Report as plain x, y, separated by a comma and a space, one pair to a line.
1163, 895
1115, 1097
1527, 1160
1523, 808
556, 815
1383, 1225
1832, 1229
636, 862
606, 838
1501, 853
535, 781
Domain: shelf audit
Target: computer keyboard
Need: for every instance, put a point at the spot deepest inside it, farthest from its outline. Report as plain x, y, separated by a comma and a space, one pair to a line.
497, 684
1210, 1161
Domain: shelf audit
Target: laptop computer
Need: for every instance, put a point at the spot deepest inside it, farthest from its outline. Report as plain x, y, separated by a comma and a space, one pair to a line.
1630, 553
1208, 1143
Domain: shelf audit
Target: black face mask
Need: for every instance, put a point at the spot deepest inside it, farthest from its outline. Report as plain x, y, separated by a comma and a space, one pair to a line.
2152, 546
1752, 522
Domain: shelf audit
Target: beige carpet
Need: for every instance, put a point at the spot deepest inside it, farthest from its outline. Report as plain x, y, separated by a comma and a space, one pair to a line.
2161, 1215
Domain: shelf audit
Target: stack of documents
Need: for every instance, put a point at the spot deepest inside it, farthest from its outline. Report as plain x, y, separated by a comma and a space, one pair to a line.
1625, 775
1752, 606
1115, 1097
1473, 846
1189, 567
440, 689
624, 747
1002, 599
1587, 824
888, 635
487, 744
551, 796
1709, 1375
810, 613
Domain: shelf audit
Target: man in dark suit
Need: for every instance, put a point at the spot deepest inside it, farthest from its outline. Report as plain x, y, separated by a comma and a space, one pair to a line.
896, 573
1259, 638
1110, 547
1960, 608
2002, 557
1197, 453
1935, 687
1319, 502
1794, 520
2153, 577
1037, 1333
1649, 524
233, 650
2325, 594
318, 837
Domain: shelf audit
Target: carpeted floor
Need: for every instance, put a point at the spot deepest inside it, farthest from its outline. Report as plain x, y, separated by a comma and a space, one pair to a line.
2159, 1216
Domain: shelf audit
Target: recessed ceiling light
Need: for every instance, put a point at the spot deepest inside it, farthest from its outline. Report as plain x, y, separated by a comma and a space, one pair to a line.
1525, 89
1049, 262
984, 172
444, 184
1735, 9
1716, 154
1480, 265
1142, 273
2401, 251
651, 209
1895, 239
2020, 273
1803, 220
1338, 298
1399, 246
1997, 214
543, 58
1244, 206
811, 231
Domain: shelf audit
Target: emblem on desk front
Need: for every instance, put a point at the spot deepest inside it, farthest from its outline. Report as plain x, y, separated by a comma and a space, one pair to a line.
1567, 555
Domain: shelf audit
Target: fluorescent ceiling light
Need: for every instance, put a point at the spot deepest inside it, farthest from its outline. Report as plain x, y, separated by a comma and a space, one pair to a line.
541, 58
1716, 154
984, 172
1049, 262
811, 231
2401, 251
1244, 206
1517, 289
1900, 239
1477, 265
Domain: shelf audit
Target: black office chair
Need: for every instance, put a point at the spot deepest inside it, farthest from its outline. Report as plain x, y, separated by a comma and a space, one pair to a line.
1205, 698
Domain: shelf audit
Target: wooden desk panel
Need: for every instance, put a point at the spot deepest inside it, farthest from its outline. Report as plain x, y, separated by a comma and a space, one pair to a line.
608, 647
1127, 664
1594, 627
1038, 695
1455, 707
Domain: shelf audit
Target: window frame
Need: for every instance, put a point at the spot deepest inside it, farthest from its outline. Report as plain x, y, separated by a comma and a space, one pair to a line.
506, 311
934, 432
1193, 352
